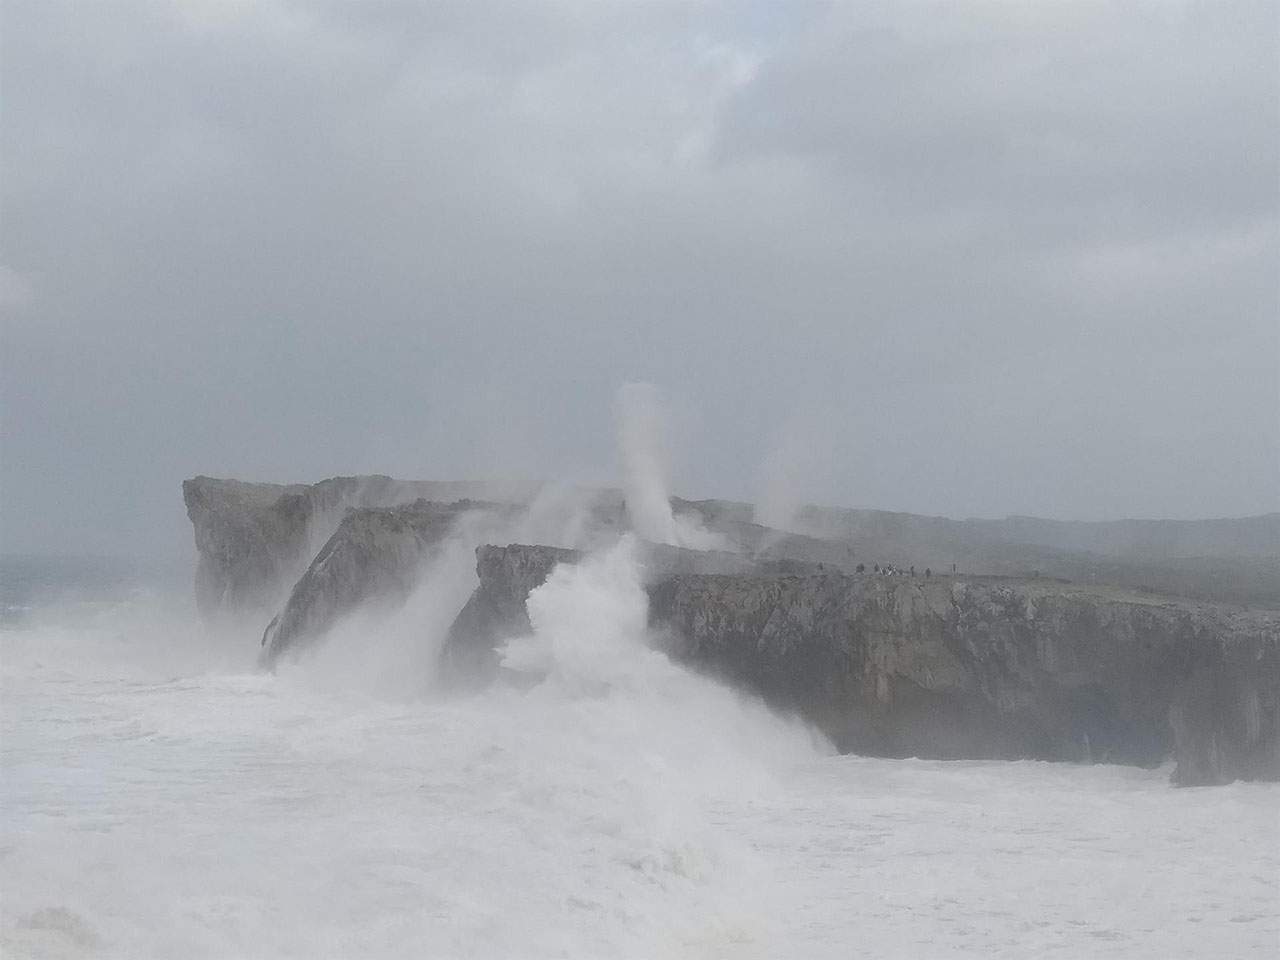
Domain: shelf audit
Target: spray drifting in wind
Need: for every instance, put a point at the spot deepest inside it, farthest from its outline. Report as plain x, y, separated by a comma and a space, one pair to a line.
641, 420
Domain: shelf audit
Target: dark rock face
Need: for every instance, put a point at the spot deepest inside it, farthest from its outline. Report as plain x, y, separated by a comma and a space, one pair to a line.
989, 668
950, 668
255, 539
375, 555
976, 666
1225, 716
496, 610
248, 537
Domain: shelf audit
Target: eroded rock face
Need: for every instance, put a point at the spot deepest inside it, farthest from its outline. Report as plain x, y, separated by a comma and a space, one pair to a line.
255, 539
941, 667
951, 667
1224, 715
248, 536
979, 668
496, 610
374, 557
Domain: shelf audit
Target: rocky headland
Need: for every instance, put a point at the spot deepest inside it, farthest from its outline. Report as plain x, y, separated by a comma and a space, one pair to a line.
253, 540
1006, 658
374, 557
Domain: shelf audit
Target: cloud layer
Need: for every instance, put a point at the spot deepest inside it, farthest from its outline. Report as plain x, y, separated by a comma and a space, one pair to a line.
1014, 258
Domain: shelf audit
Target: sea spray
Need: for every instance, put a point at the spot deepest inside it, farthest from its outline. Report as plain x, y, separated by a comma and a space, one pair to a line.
672, 744
641, 427
390, 646
154, 803
591, 641
589, 625
393, 650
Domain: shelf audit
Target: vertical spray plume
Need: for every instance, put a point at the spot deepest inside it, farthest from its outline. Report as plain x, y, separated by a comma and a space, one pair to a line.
795, 469
644, 463
641, 420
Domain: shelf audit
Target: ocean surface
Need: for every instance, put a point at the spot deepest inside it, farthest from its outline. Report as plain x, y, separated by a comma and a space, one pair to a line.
163, 798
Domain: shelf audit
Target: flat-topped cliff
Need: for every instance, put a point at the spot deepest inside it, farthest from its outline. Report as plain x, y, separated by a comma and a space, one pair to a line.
970, 665
978, 667
496, 611
952, 667
253, 540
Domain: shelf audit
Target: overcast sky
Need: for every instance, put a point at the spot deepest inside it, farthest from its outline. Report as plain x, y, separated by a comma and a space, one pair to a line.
968, 260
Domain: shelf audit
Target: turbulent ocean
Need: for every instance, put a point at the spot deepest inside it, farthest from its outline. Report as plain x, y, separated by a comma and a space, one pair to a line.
161, 797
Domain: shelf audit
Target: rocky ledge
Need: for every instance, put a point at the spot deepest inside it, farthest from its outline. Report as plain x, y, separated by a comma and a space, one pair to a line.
965, 667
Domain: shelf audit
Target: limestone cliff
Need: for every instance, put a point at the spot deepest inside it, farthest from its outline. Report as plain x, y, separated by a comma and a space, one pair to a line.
375, 556
994, 668
496, 610
954, 667
966, 666
255, 539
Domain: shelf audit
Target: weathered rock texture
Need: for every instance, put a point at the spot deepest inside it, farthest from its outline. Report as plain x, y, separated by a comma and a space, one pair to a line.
1225, 721
991, 668
952, 667
374, 557
255, 539
948, 667
496, 610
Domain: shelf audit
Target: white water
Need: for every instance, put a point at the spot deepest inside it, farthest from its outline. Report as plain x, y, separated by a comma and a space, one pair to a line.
162, 800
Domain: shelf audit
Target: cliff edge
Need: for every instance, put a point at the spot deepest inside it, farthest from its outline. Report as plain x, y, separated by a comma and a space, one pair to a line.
953, 668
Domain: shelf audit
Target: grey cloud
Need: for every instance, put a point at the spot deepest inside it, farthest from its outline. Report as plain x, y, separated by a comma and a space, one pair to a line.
1025, 255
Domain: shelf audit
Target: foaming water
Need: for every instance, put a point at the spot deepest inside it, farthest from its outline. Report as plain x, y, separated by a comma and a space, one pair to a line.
160, 799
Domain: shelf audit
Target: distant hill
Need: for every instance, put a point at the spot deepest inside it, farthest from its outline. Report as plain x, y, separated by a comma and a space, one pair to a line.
1236, 560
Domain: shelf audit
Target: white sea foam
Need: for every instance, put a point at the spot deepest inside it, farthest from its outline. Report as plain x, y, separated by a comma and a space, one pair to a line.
160, 801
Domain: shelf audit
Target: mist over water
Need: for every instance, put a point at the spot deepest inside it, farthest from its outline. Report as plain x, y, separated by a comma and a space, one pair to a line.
160, 805
164, 798
160, 800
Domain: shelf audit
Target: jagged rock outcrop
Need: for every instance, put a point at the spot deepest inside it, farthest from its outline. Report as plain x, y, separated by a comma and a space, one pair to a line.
496, 611
952, 667
248, 536
255, 539
375, 556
